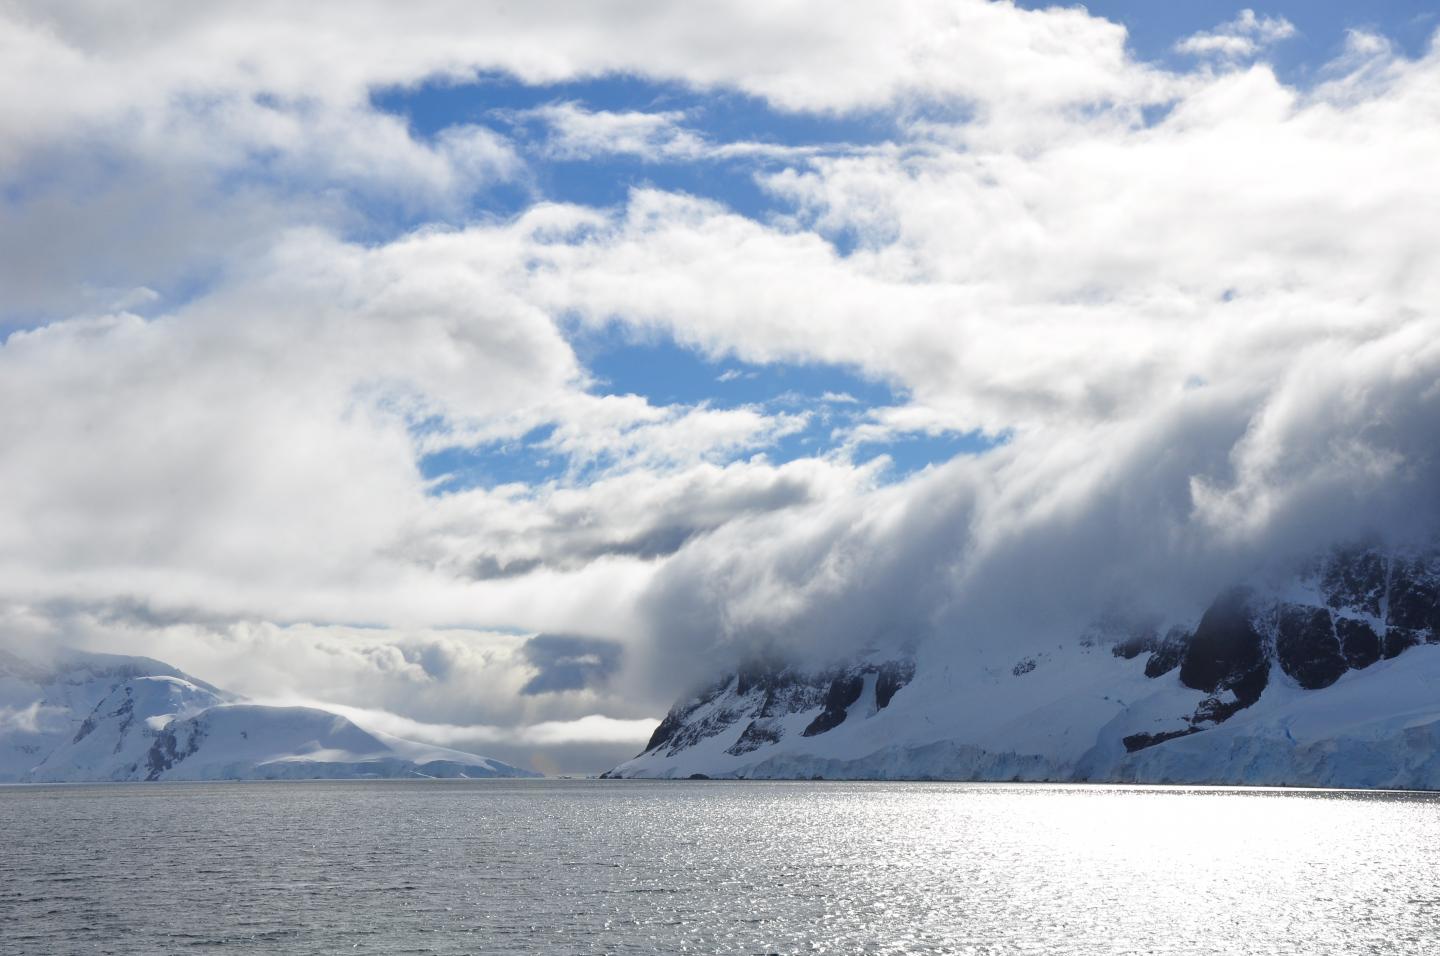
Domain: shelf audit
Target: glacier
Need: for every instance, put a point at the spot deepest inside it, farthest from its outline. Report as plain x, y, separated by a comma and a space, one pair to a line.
1325, 677
81, 717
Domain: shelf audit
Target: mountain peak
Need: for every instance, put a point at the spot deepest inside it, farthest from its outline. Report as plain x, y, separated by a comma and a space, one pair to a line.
82, 717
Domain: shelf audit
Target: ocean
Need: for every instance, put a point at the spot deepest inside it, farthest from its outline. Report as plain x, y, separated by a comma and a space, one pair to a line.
600, 866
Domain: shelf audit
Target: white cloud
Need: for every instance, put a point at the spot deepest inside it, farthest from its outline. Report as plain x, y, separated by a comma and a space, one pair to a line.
1243, 37
577, 133
1211, 339
178, 138
798, 56
590, 729
36, 718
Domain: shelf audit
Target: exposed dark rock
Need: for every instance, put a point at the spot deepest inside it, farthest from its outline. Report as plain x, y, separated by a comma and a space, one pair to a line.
844, 691
673, 721
162, 756
1397, 639
698, 776
893, 676
124, 711
1355, 578
765, 689
1251, 684
1133, 646
167, 751
1217, 709
757, 734
87, 727
676, 719
1358, 641
1228, 656
1414, 597
716, 722
1306, 646
1168, 652
791, 692
1227, 652
1136, 742
755, 674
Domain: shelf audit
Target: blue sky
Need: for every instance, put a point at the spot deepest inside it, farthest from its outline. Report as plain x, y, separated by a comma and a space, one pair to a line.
666, 373
657, 368
1320, 27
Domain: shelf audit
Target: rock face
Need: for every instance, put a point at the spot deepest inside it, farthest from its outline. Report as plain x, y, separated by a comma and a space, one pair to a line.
1255, 671
1226, 652
764, 699
87, 717
1308, 647
1355, 596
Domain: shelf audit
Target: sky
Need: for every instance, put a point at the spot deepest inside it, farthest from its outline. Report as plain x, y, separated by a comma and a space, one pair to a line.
493, 373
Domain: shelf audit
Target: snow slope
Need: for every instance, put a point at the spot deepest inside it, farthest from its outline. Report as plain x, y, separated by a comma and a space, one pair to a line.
88, 717
43, 704
1331, 678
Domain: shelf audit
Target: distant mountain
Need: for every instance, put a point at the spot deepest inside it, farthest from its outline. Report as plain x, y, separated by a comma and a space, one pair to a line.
89, 717
1329, 678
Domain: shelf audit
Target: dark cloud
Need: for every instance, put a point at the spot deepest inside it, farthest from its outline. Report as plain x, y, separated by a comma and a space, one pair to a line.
570, 539
129, 611
567, 662
487, 567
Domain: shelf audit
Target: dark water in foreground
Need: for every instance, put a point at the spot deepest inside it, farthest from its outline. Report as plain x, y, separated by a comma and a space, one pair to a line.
712, 867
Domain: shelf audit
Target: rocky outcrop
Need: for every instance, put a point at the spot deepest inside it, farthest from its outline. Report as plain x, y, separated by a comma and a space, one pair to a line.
844, 690
1358, 593
763, 692
167, 751
1227, 652
1308, 646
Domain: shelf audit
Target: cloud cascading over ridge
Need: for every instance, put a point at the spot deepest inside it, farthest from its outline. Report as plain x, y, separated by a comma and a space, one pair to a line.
259, 325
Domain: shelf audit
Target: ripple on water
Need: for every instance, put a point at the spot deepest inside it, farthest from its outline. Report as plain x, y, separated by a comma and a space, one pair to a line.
716, 867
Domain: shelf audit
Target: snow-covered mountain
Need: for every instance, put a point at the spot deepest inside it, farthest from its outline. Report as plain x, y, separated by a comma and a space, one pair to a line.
1328, 678
84, 717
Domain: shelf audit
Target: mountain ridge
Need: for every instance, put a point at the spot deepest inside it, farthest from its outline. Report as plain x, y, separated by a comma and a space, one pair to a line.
81, 717
1329, 677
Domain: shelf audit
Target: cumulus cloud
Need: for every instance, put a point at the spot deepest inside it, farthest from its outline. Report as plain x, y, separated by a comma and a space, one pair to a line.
577, 133
1245, 36
1208, 340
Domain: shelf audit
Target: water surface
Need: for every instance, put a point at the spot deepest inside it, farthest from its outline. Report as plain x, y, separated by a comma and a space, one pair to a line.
555, 866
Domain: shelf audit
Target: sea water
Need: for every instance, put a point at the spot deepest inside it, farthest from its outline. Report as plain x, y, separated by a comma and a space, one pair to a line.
557, 866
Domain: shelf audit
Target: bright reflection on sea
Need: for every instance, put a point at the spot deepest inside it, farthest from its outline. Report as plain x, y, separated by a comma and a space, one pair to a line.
715, 867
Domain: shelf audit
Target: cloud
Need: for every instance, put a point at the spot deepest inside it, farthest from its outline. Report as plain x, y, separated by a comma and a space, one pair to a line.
252, 125
1243, 37
250, 304
590, 729
555, 747
34, 719
568, 662
577, 133
796, 57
